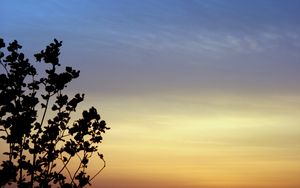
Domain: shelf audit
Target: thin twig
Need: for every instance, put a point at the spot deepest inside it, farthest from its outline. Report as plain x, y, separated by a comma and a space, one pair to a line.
46, 106
65, 164
72, 181
104, 165
4, 68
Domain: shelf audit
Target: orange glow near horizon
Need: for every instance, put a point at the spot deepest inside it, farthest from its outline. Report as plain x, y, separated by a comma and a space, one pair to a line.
212, 142
217, 142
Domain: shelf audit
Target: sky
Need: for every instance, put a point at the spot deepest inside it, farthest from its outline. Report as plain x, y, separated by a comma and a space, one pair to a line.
199, 94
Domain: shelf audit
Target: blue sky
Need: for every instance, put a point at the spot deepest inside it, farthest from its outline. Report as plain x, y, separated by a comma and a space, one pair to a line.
176, 40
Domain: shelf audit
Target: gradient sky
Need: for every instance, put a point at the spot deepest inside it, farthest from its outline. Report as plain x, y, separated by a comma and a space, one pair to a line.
199, 94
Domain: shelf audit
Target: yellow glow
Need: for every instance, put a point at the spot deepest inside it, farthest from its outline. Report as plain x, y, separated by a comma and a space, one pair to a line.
206, 141
200, 142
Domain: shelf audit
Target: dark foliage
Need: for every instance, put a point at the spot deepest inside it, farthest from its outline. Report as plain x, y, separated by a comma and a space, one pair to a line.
40, 150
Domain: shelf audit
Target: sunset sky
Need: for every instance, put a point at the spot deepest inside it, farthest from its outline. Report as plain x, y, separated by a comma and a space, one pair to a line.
198, 93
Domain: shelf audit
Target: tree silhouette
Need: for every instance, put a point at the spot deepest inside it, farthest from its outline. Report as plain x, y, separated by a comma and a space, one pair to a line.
39, 150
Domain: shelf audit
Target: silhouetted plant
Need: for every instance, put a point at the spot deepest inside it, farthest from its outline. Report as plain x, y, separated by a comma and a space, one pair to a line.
37, 146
